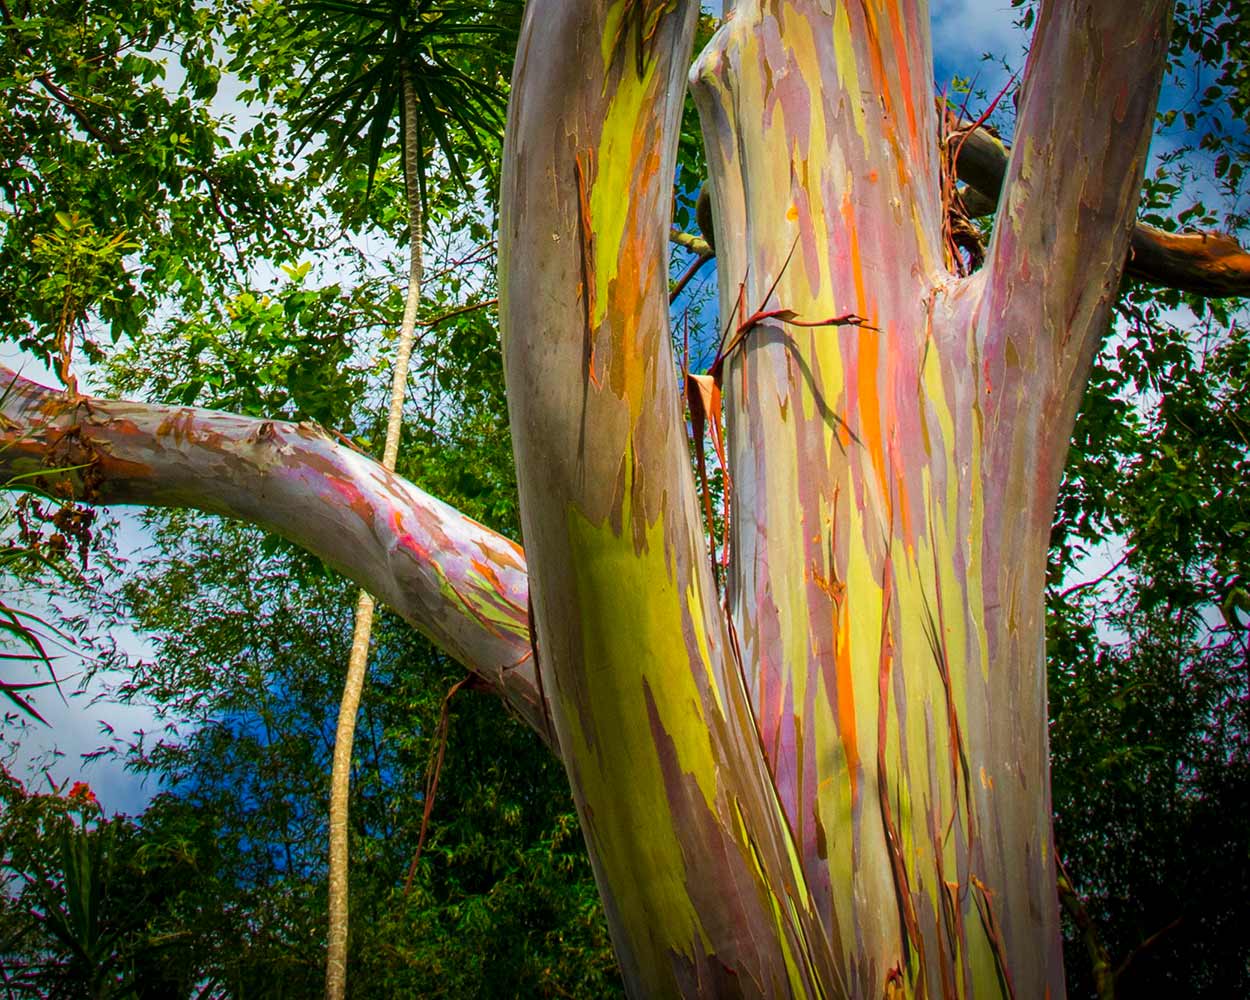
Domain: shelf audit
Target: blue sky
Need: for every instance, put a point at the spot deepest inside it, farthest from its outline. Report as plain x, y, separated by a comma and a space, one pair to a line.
966, 30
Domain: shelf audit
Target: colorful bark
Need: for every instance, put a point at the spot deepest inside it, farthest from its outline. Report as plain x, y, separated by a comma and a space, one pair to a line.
699, 879
840, 787
893, 484
458, 582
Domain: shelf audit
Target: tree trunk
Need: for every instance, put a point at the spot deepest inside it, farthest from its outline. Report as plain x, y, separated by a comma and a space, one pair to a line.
892, 483
358, 660
835, 783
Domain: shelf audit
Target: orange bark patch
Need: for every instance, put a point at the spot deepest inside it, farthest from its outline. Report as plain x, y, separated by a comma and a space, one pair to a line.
491, 577
627, 297
870, 402
509, 554
846, 702
904, 74
853, 255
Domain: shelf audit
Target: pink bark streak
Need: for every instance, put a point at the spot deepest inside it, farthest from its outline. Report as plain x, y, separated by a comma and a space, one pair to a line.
893, 484
461, 584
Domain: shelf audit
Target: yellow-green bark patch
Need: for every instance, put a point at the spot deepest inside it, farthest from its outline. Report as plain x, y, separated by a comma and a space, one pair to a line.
633, 626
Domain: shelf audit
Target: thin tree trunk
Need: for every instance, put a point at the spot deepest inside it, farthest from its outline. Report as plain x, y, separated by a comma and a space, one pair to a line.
358, 659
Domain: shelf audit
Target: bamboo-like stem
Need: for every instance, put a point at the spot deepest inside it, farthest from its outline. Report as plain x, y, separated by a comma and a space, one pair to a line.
337, 904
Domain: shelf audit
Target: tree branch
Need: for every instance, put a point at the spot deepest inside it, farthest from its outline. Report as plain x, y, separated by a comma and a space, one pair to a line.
1074, 176
1146, 945
1211, 264
696, 265
1087, 584
695, 244
1100, 960
459, 583
58, 93
458, 311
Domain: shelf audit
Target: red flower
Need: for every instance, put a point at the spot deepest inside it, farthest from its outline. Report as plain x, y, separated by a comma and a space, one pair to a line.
81, 793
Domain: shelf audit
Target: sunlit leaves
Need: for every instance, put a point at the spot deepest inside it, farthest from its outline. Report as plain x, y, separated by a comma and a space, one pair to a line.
101, 126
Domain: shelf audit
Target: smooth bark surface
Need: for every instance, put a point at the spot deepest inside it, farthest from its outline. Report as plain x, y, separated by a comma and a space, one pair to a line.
456, 581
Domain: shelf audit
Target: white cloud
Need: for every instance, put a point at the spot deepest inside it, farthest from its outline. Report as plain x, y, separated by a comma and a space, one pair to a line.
965, 30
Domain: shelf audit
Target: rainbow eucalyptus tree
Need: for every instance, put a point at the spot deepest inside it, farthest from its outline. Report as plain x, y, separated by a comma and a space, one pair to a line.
825, 775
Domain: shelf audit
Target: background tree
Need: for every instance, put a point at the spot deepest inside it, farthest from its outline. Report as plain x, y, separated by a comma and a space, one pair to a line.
374, 61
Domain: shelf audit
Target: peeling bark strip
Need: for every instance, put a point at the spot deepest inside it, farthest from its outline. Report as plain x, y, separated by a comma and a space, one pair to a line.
457, 582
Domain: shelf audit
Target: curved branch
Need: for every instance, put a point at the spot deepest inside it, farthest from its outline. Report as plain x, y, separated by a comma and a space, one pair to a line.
1211, 264
459, 583
697, 245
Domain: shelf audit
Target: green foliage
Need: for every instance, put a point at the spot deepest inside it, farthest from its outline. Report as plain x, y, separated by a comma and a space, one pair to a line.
357, 58
1150, 734
165, 200
1151, 717
92, 904
1214, 35
1151, 773
77, 266
291, 351
247, 674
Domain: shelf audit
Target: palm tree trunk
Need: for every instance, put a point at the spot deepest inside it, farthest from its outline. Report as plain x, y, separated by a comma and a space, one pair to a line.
357, 662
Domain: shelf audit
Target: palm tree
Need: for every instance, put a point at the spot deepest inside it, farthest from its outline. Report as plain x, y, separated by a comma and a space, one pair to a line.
367, 63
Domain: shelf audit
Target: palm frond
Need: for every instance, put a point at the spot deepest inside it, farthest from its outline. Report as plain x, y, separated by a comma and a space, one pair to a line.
359, 54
